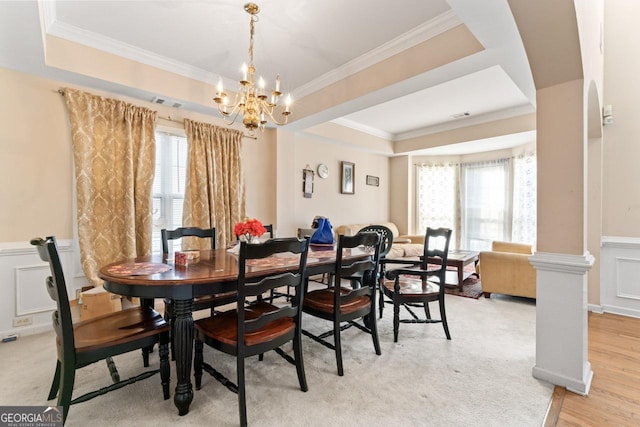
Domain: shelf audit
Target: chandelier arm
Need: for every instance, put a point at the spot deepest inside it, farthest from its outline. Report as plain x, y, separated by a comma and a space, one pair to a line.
270, 114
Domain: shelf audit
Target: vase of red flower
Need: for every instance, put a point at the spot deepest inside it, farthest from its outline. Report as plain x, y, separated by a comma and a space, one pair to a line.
250, 229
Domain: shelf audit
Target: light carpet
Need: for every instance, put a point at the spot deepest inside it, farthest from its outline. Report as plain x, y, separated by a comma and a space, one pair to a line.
482, 377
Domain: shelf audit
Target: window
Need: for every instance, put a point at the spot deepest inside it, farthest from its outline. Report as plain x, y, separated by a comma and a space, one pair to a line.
480, 202
168, 185
485, 204
437, 189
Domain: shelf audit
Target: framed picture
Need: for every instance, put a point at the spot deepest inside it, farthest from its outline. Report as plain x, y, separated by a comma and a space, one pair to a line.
307, 182
347, 182
373, 180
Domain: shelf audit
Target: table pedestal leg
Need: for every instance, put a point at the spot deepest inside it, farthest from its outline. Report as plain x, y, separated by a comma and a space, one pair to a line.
183, 342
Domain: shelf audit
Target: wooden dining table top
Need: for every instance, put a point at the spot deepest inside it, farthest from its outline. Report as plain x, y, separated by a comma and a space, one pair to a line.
219, 265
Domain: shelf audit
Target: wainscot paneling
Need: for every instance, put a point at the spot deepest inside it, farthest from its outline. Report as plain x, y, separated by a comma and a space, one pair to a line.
620, 275
25, 306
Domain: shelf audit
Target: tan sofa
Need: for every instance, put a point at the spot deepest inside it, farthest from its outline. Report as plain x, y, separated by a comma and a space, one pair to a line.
403, 245
506, 270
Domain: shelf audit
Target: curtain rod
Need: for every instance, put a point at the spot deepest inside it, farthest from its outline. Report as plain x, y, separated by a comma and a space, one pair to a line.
168, 118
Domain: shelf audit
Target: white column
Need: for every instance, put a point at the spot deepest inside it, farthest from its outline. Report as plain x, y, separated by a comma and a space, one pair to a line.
561, 320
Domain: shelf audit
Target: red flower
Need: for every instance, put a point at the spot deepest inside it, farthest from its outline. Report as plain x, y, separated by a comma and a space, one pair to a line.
249, 228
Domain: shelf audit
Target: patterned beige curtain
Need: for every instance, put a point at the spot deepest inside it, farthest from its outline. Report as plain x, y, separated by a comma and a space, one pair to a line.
114, 155
214, 193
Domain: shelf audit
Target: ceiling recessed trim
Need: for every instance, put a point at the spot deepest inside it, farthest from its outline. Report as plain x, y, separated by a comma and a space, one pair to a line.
363, 128
505, 113
106, 44
419, 34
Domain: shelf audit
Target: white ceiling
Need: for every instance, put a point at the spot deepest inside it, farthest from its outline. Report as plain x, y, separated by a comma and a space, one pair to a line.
310, 44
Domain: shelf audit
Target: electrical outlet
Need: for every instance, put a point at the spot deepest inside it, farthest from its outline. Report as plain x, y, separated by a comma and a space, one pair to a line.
22, 321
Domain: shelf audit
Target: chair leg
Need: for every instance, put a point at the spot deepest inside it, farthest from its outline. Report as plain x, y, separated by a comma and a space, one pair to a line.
145, 357
165, 369
113, 370
396, 319
427, 312
443, 316
55, 384
170, 317
297, 351
242, 398
373, 326
338, 346
67, 381
381, 302
197, 363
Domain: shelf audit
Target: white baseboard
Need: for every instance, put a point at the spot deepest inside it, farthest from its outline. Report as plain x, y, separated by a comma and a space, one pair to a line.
27, 330
596, 308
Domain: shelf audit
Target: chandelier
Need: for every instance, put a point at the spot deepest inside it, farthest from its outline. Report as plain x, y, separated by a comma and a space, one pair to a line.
252, 103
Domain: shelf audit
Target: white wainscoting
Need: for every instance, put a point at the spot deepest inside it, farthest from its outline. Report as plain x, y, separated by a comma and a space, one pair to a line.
620, 275
22, 283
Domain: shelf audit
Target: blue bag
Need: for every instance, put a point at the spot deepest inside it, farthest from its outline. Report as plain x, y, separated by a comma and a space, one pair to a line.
324, 234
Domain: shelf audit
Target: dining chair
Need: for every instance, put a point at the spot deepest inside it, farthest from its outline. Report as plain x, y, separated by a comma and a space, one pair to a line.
99, 338
260, 325
386, 236
202, 302
340, 304
414, 286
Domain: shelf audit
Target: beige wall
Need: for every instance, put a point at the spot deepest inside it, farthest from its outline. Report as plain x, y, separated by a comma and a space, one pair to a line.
621, 154
36, 162
368, 204
36, 168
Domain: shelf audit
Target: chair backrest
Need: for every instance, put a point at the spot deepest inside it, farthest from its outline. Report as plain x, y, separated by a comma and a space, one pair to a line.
252, 287
436, 250
57, 289
367, 267
181, 232
385, 233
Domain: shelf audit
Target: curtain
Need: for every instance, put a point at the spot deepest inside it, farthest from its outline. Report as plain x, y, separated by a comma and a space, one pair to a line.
524, 198
438, 198
114, 156
485, 203
214, 192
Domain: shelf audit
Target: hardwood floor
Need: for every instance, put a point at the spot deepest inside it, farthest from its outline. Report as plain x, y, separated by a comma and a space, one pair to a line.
614, 398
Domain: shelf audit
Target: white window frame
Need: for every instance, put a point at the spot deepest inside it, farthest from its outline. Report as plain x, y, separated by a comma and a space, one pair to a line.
167, 197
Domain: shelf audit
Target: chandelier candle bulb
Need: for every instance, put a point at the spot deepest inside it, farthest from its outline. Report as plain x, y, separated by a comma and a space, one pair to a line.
219, 87
278, 83
244, 72
287, 105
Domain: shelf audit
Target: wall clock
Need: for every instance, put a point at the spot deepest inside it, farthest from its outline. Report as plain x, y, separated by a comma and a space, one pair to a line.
323, 170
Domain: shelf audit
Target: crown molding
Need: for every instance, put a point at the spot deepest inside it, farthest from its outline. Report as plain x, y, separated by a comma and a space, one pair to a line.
115, 47
419, 34
363, 128
505, 113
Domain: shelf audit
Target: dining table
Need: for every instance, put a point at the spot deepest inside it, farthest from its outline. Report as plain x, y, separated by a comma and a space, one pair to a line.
216, 271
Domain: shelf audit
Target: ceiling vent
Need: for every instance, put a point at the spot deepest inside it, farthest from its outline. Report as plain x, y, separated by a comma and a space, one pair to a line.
168, 102
460, 115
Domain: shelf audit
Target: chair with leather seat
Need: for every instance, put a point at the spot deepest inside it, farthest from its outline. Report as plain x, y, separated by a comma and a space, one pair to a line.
342, 305
203, 302
98, 339
419, 284
261, 325
386, 236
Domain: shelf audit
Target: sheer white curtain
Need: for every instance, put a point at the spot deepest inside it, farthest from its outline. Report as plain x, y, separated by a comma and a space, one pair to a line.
524, 198
485, 203
438, 187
